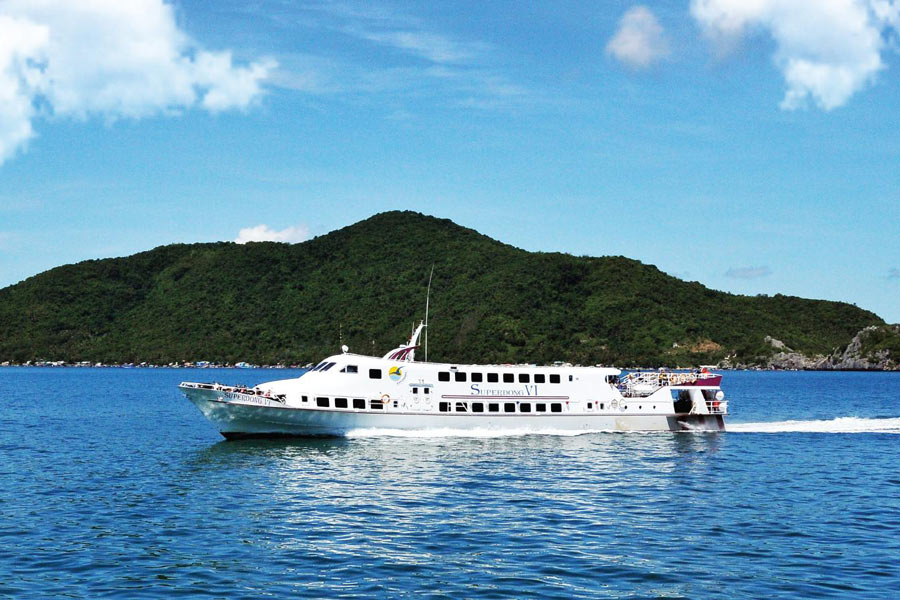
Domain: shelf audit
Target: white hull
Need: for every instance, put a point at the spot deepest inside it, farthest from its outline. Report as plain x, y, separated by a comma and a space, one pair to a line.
239, 415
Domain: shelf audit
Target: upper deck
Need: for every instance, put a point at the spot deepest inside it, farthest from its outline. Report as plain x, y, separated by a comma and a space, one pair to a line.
356, 374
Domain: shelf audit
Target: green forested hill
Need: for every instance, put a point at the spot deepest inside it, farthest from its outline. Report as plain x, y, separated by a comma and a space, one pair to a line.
271, 302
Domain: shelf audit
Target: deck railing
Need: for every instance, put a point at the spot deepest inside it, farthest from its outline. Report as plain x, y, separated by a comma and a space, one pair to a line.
638, 384
717, 407
234, 389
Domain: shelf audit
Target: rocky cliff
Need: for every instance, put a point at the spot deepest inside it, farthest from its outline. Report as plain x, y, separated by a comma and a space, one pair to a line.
874, 348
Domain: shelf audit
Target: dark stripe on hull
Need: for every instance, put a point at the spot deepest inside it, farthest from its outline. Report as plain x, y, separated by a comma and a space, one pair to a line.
233, 436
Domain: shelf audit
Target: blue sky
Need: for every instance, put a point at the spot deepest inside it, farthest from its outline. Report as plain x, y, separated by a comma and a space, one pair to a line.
753, 147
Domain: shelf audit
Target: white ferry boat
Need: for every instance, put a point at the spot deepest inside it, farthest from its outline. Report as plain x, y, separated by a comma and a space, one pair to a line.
348, 392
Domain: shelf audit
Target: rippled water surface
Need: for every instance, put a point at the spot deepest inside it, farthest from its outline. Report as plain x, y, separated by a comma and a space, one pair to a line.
114, 485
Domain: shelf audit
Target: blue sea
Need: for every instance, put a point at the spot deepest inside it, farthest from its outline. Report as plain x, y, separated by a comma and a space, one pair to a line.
113, 485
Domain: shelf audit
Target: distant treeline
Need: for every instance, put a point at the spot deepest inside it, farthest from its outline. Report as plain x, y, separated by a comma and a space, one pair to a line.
364, 286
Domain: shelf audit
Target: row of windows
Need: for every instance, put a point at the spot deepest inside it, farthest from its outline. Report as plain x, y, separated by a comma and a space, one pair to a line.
358, 403
493, 407
324, 366
474, 377
477, 377
475, 407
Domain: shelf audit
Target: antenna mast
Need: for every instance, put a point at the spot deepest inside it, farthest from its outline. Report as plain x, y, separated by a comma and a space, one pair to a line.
427, 298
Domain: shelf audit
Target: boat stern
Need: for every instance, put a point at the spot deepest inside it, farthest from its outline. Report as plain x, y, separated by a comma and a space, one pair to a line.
694, 422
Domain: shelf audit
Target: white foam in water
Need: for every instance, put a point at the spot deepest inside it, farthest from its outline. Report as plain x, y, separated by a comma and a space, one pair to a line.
838, 425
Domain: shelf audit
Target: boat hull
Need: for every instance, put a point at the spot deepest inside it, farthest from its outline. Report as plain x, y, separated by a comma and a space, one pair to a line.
264, 417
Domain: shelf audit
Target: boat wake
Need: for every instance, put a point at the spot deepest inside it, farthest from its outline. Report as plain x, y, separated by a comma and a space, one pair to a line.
838, 425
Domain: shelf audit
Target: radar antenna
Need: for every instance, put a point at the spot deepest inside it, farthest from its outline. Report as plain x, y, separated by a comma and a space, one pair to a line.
427, 298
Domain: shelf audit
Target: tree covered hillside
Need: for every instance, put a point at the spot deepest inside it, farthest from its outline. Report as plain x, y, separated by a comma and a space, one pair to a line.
272, 302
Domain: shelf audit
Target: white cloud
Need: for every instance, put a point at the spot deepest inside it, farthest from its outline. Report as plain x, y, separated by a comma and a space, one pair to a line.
748, 272
433, 47
21, 42
407, 59
108, 58
640, 40
827, 50
262, 233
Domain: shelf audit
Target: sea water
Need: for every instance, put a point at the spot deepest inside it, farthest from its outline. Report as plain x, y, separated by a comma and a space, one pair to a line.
113, 485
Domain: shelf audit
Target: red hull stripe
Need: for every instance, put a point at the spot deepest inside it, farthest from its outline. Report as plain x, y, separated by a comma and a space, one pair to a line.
505, 397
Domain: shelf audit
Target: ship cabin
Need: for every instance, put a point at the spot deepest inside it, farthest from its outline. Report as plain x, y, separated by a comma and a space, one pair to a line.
357, 382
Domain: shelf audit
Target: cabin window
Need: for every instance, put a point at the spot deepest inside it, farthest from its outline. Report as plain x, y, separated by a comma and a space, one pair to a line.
539, 378
426, 390
554, 378
350, 369
415, 390
376, 404
508, 378
328, 366
477, 378
319, 366
493, 378
540, 407
602, 406
509, 407
477, 407
443, 376
305, 398
570, 378
524, 378
556, 407
525, 407
590, 405
322, 402
340, 403
458, 376
374, 373
462, 407
444, 406
493, 407
359, 403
